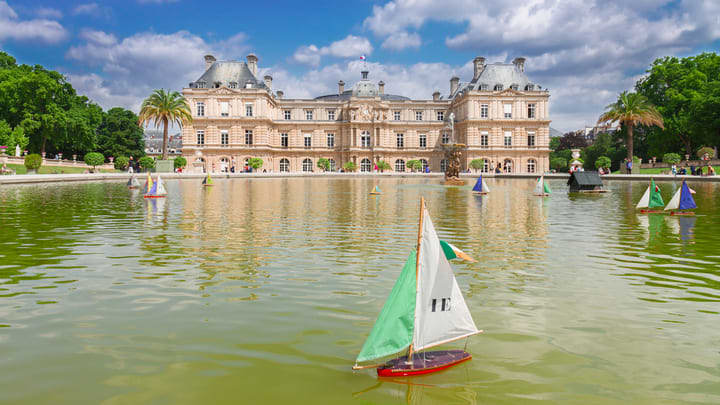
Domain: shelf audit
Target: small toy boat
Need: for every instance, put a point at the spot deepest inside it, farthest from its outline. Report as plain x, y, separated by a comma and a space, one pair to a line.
481, 187
375, 191
682, 201
541, 188
207, 181
133, 183
155, 189
651, 199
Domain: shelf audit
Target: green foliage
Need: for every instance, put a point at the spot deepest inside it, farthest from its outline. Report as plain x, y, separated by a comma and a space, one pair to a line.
383, 165
121, 162
558, 163
94, 159
671, 158
572, 140
554, 143
414, 165
477, 164
631, 110
120, 135
179, 162
604, 145
33, 161
602, 161
255, 163
323, 164
636, 161
164, 108
350, 166
702, 151
5, 134
146, 162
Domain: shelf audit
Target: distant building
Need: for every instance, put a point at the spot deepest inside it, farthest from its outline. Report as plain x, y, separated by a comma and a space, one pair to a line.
154, 143
591, 133
499, 114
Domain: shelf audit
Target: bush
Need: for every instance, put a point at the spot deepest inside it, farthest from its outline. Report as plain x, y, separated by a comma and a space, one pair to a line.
383, 165
702, 151
323, 164
671, 158
477, 164
558, 163
414, 165
146, 162
94, 159
33, 161
121, 162
602, 161
350, 166
255, 163
179, 162
636, 161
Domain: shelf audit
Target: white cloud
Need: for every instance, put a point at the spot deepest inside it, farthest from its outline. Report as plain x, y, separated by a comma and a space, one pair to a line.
87, 9
350, 46
401, 40
37, 30
98, 37
48, 12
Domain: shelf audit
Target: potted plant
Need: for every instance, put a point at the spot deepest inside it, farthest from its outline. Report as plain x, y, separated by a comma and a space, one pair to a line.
33, 162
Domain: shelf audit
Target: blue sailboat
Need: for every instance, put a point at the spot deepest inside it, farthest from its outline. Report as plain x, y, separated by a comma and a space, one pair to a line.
376, 191
481, 187
682, 201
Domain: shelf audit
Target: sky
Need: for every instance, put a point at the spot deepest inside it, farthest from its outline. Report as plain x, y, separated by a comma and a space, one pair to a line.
584, 51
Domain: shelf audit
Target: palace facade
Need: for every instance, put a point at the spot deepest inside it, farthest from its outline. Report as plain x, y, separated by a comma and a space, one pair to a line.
499, 114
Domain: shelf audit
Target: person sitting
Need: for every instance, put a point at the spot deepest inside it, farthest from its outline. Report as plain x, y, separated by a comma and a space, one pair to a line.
711, 170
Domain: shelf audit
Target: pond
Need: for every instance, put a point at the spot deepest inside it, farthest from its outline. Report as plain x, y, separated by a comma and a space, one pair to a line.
264, 290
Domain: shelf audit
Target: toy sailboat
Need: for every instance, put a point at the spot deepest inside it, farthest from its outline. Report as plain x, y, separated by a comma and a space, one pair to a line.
651, 199
207, 181
682, 201
155, 189
541, 188
375, 191
481, 187
425, 309
133, 183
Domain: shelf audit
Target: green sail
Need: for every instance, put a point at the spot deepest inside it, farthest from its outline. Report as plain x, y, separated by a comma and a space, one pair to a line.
393, 330
546, 189
655, 197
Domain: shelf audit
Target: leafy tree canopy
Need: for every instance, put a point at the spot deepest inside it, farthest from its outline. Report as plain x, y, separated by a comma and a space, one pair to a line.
119, 134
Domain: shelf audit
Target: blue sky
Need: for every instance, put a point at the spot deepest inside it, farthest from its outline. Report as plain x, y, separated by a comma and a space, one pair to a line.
584, 51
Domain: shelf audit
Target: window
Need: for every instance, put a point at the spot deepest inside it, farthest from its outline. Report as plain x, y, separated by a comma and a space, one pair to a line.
224, 138
309, 115
531, 110
248, 110
233, 85
284, 165
307, 165
396, 115
308, 141
287, 114
508, 166
484, 111
365, 165
445, 137
399, 165
331, 140
284, 140
508, 138
531, 138
365, 139
486, 165
201, 85
484, 87
531, 166
331, 115
424, 165
200, 109
441, 115
248, 137
423, 140
332, 164
201, 137
418, 115
498, 87
507, 109
400, 140
484, 139
514, 86
224, 108
530, 87
443, 165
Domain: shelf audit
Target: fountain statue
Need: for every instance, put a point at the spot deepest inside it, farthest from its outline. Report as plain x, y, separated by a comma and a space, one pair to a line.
453, 153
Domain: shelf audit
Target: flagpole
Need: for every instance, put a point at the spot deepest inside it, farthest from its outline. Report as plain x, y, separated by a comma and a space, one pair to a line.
417, 266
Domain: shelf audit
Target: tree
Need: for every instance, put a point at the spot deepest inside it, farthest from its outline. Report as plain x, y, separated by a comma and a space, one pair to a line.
350, 166
414, 165
146, 162
119, 135
164, 108
121, 162
477, 164
705, 150
94, 159
671, 158
383, 165
179, 162
629, 110
255, 163
602, 161
554, 143
323, 164
558, 163
572, 140
33, 161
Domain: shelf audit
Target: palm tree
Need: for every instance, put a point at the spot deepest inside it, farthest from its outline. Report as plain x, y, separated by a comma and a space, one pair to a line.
631, 109
163, 108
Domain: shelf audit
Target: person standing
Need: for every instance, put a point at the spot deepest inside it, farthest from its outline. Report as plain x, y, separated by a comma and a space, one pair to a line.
628, 165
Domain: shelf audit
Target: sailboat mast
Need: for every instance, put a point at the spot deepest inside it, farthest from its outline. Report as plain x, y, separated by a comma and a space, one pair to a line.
417, 262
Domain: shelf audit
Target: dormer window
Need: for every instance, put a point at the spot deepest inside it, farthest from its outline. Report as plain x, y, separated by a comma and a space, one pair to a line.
484, 87
201, 85
514, 86
233, 85
498, 87
529, 87
248, 85
217, 84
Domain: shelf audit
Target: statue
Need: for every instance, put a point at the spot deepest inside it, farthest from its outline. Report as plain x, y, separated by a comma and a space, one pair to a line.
17, 150
453, 153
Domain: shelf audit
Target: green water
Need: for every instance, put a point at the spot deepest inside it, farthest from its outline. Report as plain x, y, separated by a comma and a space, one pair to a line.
263, 291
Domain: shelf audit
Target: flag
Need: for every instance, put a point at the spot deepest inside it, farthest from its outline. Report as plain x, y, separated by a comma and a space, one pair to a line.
362, 57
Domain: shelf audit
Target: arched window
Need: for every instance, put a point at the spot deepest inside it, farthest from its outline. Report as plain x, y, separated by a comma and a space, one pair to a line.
365, 165
284, 165
507, 166
224, 165
399, 165
365, 139
424, 165
531, 166
443, 165
332, 164
486, 165
307, 165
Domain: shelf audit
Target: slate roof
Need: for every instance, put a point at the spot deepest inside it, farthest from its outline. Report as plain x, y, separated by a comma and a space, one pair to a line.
222, 73
584, 179
363, 88
505, 74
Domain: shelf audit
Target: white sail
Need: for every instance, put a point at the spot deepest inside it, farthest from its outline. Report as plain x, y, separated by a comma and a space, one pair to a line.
645, 200
539, 186
441, 314
675, 201
485, 187
160, 186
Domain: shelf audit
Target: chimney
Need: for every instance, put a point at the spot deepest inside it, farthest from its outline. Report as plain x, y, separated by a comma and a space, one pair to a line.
381, 87
209, 60
519, 64
268, 81
436, 95
279, 94
454, 82
341, 87
478, 66
252, 61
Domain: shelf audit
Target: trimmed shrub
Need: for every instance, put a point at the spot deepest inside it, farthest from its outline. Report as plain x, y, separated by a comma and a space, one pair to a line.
350, 166
255, 163
323, 164
179, 162
121, 162
602, 161
702, 151
94, 159
671, 158
558, 163
383, 165
146, 162
33, 161
414, 165
477, 164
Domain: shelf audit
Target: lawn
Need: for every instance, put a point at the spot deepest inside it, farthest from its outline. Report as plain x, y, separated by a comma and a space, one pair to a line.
21, 169
665, 170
